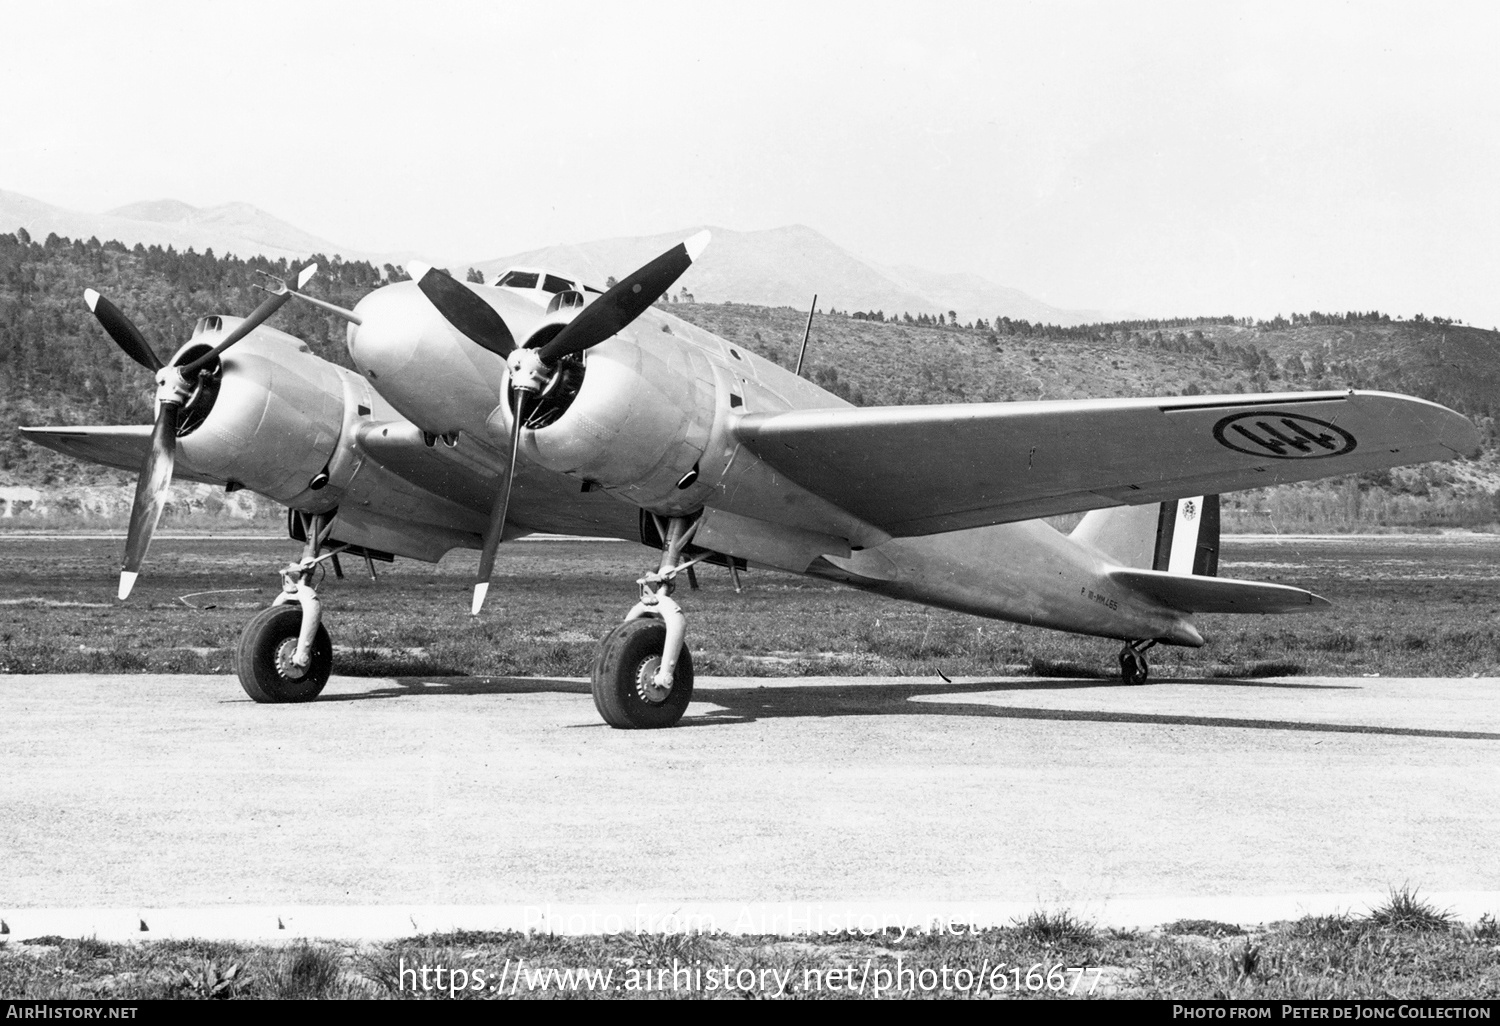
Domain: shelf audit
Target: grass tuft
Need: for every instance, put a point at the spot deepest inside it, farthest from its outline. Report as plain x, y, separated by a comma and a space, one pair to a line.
1202, 928
1246, 961
88, 948
1403, 910
210, 981
1336, 926
1055, 928
308, 972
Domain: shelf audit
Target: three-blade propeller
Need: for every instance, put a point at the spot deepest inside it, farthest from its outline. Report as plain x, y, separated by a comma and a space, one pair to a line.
175, 387
532, 369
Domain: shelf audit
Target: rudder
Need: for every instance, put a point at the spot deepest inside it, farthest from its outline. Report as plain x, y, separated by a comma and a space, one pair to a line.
1179, 536
1187, 536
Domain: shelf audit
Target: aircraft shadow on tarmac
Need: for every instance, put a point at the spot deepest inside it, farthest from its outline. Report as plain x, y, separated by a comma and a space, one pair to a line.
770, 701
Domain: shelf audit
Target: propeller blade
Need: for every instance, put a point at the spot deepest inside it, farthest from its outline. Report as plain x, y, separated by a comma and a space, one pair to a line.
499, 510
464, 310
625, 302
275, 300
120, 328
150, 494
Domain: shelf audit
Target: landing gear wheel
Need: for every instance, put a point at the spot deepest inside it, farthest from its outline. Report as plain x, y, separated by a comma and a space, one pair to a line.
1133, 667
264, 657
624, 690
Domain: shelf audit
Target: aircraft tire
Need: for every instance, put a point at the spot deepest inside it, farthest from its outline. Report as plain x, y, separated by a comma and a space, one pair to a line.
628, 657
1133, 668
263, 658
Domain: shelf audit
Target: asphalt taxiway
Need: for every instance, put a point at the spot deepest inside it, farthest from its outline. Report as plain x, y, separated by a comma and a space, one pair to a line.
395, 805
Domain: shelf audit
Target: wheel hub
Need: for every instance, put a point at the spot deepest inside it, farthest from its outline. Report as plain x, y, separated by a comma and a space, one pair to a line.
284, 664
645, 682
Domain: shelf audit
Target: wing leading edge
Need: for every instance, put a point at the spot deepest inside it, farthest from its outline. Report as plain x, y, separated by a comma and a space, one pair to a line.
915, 470
114, 445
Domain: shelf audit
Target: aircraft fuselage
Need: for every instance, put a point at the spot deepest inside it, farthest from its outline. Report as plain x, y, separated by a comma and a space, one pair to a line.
651, 426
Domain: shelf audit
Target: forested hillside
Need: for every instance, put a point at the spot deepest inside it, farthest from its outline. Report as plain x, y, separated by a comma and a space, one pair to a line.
57, 365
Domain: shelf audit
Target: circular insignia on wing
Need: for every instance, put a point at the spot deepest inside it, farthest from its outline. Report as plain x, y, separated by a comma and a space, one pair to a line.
1282, 436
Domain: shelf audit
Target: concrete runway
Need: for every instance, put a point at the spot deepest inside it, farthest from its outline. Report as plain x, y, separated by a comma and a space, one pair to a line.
393, 806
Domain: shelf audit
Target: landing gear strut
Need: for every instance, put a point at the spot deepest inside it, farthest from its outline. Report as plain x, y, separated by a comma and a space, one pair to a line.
284, 654
1133, 667
643, 675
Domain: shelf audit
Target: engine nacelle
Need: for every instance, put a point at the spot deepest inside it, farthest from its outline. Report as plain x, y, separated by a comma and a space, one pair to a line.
270, 420
638, 425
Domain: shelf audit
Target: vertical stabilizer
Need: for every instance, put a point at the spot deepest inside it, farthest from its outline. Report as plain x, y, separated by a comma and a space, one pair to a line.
1180, 536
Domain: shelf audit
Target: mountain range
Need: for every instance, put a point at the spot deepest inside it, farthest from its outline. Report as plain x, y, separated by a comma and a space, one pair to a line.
785, 266
774, 267
236, 228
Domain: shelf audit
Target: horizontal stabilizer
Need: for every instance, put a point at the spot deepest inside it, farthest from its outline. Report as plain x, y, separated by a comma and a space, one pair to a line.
1191, 593
113, 445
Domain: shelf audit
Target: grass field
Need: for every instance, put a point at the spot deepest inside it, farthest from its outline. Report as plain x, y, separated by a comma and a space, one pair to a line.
1404, 949
1404, 605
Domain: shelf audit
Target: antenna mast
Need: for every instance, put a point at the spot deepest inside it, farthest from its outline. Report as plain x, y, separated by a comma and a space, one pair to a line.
802, 353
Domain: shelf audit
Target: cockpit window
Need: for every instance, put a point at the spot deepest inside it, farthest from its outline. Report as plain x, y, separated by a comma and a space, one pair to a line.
552, 283
519, 279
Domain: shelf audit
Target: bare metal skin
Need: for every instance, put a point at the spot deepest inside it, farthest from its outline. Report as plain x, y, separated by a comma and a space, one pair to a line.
479, 413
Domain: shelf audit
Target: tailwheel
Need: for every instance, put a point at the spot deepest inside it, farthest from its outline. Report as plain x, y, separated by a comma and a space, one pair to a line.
626, 690
268, 672
1133, 666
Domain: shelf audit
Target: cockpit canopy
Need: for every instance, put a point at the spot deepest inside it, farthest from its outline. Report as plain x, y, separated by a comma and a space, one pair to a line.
544, 281
552, 290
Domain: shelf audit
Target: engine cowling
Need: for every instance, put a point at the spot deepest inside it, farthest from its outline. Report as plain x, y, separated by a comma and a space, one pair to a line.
638, 425
270, 419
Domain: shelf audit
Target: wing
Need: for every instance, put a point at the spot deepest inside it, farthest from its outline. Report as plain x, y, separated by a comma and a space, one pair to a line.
114, 445
914, 470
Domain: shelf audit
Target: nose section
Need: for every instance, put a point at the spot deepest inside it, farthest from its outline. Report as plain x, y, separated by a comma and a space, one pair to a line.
414, 358
393, 323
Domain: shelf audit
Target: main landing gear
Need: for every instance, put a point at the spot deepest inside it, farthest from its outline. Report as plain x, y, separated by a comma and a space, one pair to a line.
285, 654
1133, 667
643, 675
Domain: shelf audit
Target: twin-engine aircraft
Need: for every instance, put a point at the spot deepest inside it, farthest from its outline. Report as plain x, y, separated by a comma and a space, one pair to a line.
481, 413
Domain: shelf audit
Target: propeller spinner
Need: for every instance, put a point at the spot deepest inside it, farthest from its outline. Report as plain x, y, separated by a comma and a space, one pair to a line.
174, 387
532, 369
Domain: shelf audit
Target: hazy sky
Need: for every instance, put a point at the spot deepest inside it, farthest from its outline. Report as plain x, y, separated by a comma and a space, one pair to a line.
1155, 157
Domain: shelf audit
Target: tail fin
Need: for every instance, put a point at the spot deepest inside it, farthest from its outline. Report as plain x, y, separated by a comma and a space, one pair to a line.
1180, 536
1170, 552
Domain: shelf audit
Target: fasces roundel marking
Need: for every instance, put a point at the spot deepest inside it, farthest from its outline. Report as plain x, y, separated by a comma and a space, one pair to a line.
1283, 436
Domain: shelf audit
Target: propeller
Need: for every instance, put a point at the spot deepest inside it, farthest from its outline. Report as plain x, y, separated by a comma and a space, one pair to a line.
464, 310
501, 507
175, 386
122, 330
532, 369
630, 298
